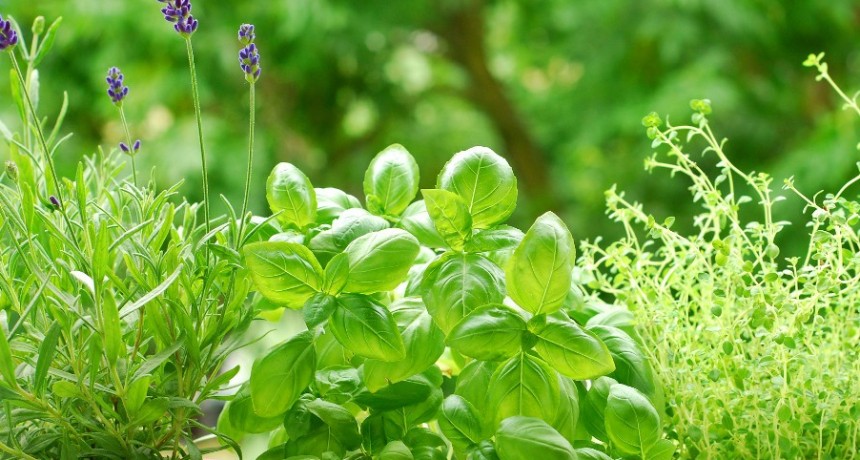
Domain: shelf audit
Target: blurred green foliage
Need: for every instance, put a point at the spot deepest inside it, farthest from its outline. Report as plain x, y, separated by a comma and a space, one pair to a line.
558, 87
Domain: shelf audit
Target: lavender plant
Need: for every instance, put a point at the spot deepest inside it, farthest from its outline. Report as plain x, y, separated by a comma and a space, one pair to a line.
117, 92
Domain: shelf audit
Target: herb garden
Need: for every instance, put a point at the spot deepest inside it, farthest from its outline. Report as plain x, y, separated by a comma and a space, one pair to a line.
427, 326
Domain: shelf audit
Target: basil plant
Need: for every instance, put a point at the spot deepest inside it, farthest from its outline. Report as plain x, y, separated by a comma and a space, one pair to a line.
434, 330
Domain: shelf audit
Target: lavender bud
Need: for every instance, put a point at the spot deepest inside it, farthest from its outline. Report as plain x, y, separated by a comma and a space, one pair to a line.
246, 34
116, 90
136, 146
12, 170
178, 12
249, 56
8, 37
39, 25
123, 147
54, 201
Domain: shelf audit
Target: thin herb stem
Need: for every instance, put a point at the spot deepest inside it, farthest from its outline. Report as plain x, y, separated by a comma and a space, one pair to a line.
195, 93
246, 195
131, 152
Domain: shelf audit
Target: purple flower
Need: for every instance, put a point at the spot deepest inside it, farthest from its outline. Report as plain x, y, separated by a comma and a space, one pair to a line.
8, 37
246, 34
54, 201
116, 90
179, 13
133, 149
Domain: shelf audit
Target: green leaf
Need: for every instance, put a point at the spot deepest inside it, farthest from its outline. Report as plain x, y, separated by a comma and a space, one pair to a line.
538, 274
567, 416
422, 339
486, 450
240, 415
65, 389
285, 273
366, 328
485, 181
392, 178
416, 220
135, 394
529, 438
473, 382
351, 224
492, 332
631, 365
342, 424
151, 411
318, 309
461, 423
594, 406
331, 202
450, 216
380, 261
573, 351
456, 284
113, 343
7, 366
46, 357
497, 243
524, 385
411, 391
291, 194
632, 423
336, 274
278, 378
47, 43
337, 383
587, 453
395, 450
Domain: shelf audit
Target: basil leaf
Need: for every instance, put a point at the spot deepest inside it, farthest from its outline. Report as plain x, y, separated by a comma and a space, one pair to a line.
280, 377
366, 328
461, 423
456, 284
396, 450
450, 216
318, 308
567, 416
524, 385
416, 220
291, 194
492, 332
539, 272
573, 351
423, 341
351, 224
285, 273
426, 444
497, 243
411, 391
331, 202
341, 423
392, 179
594, 406
661, 450
632, 423
527, 438
473, 381
486, 450
241, 416
380, 261
337, 384
485, 181
631, 365
587, 453
615, 316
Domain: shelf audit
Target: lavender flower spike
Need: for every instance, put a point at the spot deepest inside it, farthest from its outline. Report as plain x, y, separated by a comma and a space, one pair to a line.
116, 90
179, 13
249, 56
8, 36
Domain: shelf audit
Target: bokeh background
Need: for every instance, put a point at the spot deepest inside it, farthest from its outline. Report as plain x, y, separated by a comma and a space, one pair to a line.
558, 87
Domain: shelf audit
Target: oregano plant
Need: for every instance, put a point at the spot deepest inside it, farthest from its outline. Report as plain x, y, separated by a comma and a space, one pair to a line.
434, 329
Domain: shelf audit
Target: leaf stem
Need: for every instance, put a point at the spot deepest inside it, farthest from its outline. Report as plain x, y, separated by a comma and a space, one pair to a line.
245, 197
196, 96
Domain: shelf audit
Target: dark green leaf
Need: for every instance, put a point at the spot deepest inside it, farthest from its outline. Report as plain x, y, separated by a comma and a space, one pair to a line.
573, 351
492, 332
46, 358
392, 178
538, 274
341, 422
380, 261
285, 273
528, 438
485, 181
398, 395
366, 328
450, 216
278, 378
291, 194
631, 365
594, 407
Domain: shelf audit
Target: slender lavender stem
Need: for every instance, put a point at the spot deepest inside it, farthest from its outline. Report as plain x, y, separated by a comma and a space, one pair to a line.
252, 99
196, 96
130, 145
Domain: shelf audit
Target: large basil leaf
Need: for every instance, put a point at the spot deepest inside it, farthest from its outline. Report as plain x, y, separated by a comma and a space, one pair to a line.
291, 194
497, 243
528, 438
461, 423
594, 406
492, 332
524, 385
423, 340
366, 328
473, 381
416, 220
663, 449
567, 416
450, 216
631, 365
587, 453
632, 423
351, 224
285, 273
425, 444
456, 284
573, 351
341, 423
486, 450
539, 272
380, 261
337, 384
331, 202
318, 308
411, 391
240, 414
278, 378
485, 181
391, 181
396, 450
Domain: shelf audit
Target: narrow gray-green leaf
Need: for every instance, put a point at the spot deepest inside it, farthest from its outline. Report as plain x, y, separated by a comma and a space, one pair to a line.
392, 178
366, 328
278, 378
380, 261
450, 216
7, 366
485, 181
573, 351
46, 357
490, 333
285, 273
632, 423
291, 194
538, 274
